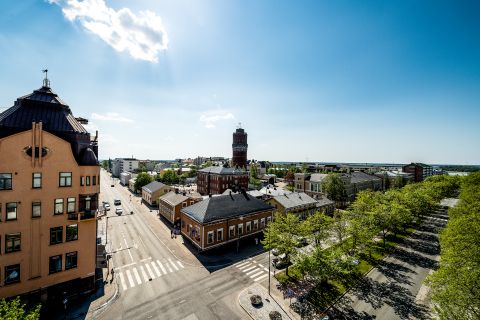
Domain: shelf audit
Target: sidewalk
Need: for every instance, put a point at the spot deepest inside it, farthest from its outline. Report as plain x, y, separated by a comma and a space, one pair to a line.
268, 304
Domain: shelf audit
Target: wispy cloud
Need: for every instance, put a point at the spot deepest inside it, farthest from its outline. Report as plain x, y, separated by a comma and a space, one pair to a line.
211, 117
110, 116
143, 36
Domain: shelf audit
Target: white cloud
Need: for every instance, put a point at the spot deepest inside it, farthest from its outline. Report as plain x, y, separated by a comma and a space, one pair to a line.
209, 118
110, 116
143, 36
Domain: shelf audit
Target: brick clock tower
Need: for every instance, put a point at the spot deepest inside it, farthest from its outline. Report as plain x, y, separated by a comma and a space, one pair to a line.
239, 148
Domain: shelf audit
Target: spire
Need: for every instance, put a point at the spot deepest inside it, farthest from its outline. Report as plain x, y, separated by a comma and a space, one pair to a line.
46, 82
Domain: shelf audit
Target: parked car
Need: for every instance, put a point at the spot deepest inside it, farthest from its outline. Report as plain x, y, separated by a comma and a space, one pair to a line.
280, 262
117, 202
118, 210
106, 206
275, 252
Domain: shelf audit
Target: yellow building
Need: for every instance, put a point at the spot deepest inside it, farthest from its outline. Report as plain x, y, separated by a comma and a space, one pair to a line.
49, 186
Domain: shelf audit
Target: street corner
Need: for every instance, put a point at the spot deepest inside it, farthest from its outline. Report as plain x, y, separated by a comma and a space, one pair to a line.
259, 305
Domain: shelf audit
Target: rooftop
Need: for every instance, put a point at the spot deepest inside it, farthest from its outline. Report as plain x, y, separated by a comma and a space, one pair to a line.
222, 170
295, 199
153, 186
173, 198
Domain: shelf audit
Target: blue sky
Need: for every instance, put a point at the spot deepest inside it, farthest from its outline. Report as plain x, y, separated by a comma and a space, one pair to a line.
346, 81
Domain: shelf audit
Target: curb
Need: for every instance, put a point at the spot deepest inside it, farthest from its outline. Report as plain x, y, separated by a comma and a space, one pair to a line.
103, 307
238, 301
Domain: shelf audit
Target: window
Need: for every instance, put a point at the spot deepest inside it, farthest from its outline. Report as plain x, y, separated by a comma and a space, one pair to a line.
11, 211
56, 235
269, 219
5, 181
36, 180
36, 209
55, 264
240, 228
70, 260
255, 224
70, 205
58, 206
262, 223
184, 204
82, 181
72, 232
94, 180
248, 226
88, 180
209, 237
231, 231
65, 179
220, 234
12, 274
12, 242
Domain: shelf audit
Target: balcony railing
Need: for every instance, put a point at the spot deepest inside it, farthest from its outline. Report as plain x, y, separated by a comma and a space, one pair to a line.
73, 216
88, 214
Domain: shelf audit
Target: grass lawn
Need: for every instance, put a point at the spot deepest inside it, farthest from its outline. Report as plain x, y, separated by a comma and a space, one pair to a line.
326, 293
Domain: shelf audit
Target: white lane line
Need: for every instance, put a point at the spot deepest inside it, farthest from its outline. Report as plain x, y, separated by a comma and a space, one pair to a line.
128, 249
173, 264
137, 276
150, 272
256, 274
261, 265
250, 268
267, 270
241, 264
159, 274
254, 270
125, 266
168, 267
143, 260
122, 281
130, 279
180, 264
162, 267
245, 266
260, 278
144, 275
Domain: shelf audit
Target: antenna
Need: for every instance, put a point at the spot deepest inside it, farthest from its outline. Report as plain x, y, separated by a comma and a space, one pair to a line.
239, 125
46, 82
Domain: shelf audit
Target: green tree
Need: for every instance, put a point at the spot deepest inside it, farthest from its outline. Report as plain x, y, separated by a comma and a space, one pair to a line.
282, 234
104, 164
15, 310
334, 188
339, 226
318, 225
142, 180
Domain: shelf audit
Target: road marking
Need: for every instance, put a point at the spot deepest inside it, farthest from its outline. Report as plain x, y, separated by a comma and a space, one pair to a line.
267, 270
150, 272
143, 260
168, 266
180, 264
245, 266
173, 264
254, 270
121, 247
162, 267
137, 276
260, 278
159, 274
261, 265
122, 281
130, 279
142, 271
256, 274
128, 249
250, 268
126, 266
241, 264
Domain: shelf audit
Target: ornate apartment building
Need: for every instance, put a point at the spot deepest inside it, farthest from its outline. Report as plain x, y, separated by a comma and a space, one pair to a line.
49, 186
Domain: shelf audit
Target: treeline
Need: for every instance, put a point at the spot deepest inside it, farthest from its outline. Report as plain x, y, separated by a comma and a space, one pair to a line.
456, 284
350, 235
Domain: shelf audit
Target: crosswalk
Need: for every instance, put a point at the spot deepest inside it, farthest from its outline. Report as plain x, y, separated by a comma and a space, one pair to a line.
137, 274
255, 271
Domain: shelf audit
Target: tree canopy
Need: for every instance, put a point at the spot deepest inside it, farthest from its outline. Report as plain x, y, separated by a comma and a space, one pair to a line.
142, 180
334, 188
15, 310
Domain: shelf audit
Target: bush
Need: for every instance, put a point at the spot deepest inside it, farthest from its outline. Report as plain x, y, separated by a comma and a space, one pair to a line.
275, 315
256, 300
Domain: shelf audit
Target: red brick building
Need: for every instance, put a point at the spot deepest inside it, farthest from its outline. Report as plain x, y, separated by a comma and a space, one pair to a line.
219, 220
239, 149
420, 171
215, 180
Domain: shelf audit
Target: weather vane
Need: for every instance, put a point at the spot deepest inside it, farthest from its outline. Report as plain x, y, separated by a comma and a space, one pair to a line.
46, 82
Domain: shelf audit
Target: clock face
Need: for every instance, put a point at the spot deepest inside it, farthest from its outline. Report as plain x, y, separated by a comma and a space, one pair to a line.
29, 150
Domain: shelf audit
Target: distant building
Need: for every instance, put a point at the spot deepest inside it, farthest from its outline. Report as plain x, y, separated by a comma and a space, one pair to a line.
169, 205
152, 191
420, 171
125, 177
298, 203
120, 165
359, 181
219, 220
49, 188
239, 149
131, 184
310, 183
270, 191
215, 180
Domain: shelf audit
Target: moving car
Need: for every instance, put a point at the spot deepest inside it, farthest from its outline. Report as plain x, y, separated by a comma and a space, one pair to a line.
117, 202
106, 206
118, 210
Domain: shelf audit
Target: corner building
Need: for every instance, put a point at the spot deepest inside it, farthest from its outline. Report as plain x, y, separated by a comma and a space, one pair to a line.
49, 186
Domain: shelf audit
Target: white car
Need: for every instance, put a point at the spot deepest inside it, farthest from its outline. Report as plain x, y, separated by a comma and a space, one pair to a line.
118, 210
106, 206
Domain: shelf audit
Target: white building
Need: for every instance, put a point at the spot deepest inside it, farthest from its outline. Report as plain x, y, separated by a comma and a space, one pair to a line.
120, 165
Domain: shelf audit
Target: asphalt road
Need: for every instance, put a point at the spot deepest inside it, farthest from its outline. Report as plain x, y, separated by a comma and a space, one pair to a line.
394, 289
158, 279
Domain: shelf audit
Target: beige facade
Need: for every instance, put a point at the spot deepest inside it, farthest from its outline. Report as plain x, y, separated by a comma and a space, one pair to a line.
169, 206
48, 194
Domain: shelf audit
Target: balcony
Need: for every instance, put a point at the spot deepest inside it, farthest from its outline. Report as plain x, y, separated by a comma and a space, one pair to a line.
88, 214
73, 216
